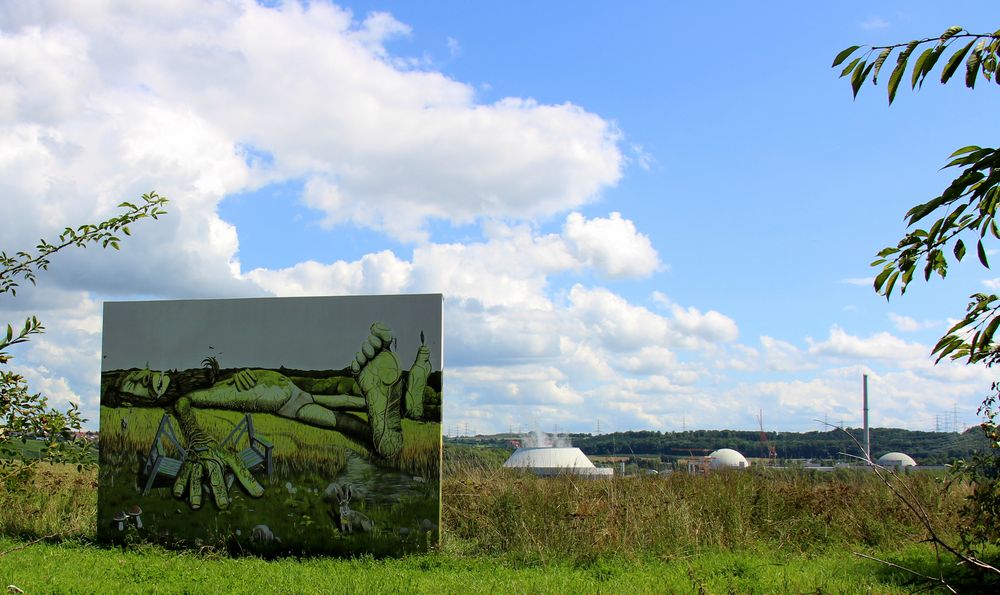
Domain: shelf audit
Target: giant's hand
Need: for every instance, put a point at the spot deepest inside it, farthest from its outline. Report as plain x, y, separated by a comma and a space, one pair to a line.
210, 463
244, 380
206, 461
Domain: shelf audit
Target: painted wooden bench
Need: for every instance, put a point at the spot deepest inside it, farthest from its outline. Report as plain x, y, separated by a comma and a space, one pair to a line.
258, 450
157, 461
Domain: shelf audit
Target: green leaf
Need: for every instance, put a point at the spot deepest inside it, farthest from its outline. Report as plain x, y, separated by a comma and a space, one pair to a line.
945, 345
919, 66
954, 61
890, 283
934, 231
878, 64
964, 150
930, 62
850, 67
843, 55
860, 74
894, 78
950, 32
987, 336
972, 67
982, 254
907, 275
880, 279
959, 250
920, 211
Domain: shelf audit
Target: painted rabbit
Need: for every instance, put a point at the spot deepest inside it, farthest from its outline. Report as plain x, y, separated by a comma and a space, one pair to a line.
351, 520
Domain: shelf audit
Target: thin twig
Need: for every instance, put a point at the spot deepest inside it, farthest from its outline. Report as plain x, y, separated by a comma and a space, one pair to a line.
29, 544
912, 502
929, 39
910, 570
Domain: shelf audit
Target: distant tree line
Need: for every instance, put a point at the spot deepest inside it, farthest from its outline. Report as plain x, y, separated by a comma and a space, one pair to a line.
927, 448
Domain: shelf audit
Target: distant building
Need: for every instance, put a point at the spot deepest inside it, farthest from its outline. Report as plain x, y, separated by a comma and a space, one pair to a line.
727, 458
547, 460
896, 461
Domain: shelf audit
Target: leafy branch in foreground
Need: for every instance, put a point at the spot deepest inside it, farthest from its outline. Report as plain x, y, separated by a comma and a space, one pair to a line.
964, 211
25, 265
967, 207
979, 61
24, 414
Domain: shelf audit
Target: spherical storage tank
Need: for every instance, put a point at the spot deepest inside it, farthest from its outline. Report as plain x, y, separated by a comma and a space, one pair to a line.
896, 459
728, 458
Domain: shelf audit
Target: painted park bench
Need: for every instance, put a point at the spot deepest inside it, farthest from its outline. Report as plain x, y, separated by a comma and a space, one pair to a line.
159, 463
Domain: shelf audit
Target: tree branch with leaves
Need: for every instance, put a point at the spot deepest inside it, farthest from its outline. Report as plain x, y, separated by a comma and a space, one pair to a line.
940, 231
22, 413
964, 214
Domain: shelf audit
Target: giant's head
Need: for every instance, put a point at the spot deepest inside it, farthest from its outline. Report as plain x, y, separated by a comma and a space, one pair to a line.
138, 387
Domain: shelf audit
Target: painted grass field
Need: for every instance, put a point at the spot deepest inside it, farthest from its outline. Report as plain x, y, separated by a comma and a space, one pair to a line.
401, 496
756, 532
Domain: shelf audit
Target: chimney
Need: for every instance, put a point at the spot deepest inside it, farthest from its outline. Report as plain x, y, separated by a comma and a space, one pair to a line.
868, 442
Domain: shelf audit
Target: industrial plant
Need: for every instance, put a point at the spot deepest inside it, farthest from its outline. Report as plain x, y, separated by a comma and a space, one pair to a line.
553, 454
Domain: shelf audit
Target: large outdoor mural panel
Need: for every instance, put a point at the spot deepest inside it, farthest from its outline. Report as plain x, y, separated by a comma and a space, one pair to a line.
273, 425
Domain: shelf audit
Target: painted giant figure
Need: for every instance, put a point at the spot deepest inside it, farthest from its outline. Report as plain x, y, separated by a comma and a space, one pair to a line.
351, 455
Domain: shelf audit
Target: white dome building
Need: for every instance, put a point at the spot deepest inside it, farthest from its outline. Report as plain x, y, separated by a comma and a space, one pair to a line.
546, 460
896, 460
727, 458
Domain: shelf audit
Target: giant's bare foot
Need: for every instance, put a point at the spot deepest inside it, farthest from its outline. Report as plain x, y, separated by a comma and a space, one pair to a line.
377, 371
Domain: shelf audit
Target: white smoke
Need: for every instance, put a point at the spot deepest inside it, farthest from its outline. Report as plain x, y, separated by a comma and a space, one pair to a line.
538, 439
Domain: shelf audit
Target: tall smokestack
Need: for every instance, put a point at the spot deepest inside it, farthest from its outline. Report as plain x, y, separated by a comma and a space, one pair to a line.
868, 442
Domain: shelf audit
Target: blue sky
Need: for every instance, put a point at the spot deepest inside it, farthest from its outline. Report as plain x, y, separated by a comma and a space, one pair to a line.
655, 215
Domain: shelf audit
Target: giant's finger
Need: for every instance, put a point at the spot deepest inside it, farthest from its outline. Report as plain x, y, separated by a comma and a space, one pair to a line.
217, 483
249, 379
194, 486
246, 479
382, 331
180, 484
244, 379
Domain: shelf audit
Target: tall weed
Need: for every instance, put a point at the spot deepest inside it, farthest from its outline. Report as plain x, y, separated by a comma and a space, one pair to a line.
502, 511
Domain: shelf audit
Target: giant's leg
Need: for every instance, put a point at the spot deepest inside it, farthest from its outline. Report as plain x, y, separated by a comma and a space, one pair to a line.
416, 380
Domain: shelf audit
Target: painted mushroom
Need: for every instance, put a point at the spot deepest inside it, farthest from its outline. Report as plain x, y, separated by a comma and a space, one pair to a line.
119, 518
136, 513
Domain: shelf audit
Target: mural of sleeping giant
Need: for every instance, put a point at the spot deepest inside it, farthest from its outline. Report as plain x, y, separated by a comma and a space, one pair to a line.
273, 425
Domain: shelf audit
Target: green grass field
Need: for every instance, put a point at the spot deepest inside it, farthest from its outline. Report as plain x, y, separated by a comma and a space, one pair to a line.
73, 567
755, 532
